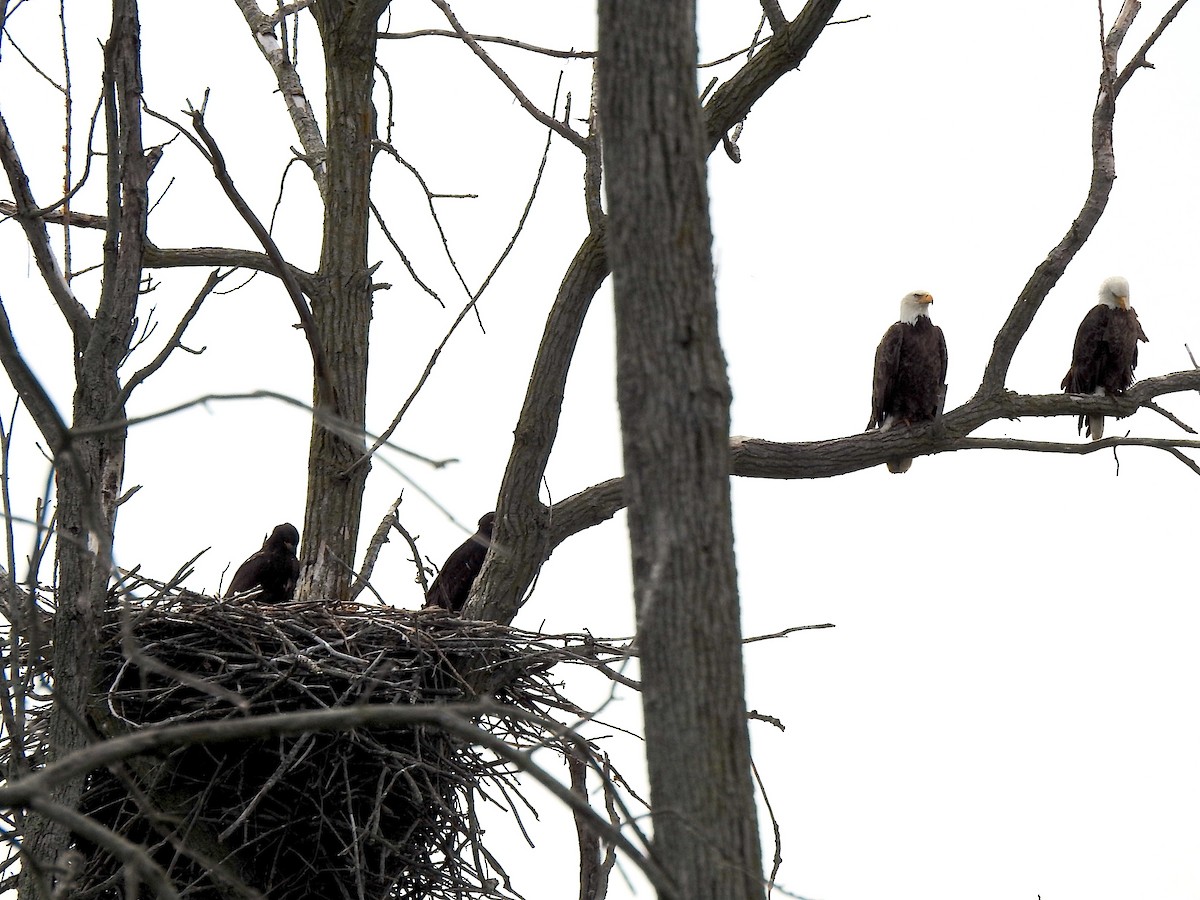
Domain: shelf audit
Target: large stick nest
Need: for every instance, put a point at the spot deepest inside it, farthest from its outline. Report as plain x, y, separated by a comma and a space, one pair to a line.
366, 813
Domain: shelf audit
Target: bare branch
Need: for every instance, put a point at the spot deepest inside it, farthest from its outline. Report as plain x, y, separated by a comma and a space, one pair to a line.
774, 15
1104, 174
290, 9
321, 372
471, 306
262, 26
125, 850
549, 121
593, 166
1183, 458
157, 363
378, 539
404, 260
176, 258
1169, 416
755, 458
784, 52
504, 577
785, 632
1139, 59
224, 257
487, 39
421, 578
430, 196
593, 878
25, 212
326, 419
42, 409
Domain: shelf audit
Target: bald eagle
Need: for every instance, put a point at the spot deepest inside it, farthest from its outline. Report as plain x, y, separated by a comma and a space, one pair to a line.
910, 372
453, 583
273, 570
1106, 350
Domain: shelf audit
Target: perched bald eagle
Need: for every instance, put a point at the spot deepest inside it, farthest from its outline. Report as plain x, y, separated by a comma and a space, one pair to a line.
453, 583
273, 570
910, 372
1106, 350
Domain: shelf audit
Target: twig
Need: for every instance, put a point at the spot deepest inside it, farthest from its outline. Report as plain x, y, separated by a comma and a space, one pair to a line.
157, 363
549, 121
785, 632
326, 396
128, 852
487, 39
416, 556
469, 307
378, 539
26, 213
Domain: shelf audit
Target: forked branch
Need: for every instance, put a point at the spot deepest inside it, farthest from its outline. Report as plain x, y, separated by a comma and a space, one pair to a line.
1104, 174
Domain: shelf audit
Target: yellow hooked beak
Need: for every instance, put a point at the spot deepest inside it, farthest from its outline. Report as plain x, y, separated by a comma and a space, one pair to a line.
1123, 302
924, 298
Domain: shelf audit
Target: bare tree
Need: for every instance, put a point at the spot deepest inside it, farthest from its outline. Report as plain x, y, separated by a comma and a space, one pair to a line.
673, 387
89, 454
674, 398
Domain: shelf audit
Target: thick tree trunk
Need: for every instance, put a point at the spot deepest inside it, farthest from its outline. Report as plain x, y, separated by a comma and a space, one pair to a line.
342, 311
674, 397
90, 468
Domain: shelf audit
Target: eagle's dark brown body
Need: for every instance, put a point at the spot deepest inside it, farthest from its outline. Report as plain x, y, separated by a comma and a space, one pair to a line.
910, 374
1104, 356
453, 583
274, 569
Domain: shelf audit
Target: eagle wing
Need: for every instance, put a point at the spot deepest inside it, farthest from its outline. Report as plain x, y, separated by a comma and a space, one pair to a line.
945, 363
1086, 357
887, 367
453, 583
249, 574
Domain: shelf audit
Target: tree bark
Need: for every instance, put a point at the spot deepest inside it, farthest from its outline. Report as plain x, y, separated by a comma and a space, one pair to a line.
342, 304
89, 469
673, 393
525, 528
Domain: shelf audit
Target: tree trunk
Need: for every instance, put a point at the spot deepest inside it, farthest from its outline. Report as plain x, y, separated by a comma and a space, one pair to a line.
674, 395
342, 311
89, 468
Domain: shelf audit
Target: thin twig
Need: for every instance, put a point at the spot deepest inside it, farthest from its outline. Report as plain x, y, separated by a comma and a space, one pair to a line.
549, 121
173, 343
487, 39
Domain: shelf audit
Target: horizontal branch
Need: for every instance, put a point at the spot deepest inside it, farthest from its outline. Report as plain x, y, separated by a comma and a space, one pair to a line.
758, 458
323, 417
1078, 448
179, 258
223, 257
487, 39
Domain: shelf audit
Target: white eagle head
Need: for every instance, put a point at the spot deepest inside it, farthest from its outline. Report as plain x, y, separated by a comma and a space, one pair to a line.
915, 305
1114, 292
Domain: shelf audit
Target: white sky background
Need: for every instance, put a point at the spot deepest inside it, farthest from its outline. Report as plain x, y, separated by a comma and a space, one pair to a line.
1006, 707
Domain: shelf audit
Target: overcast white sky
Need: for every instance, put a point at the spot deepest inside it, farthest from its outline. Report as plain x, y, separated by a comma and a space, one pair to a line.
1007, 706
